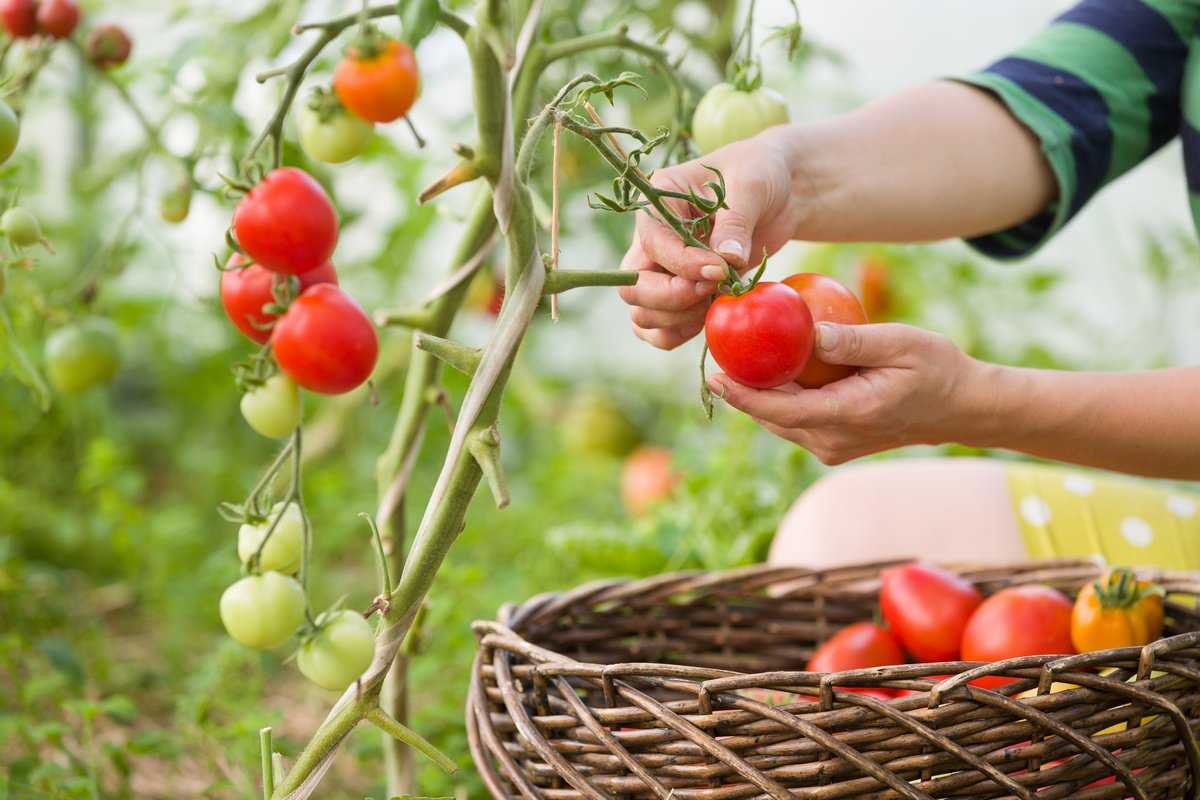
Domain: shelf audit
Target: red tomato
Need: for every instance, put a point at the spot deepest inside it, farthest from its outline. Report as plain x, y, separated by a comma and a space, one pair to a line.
20, 17
325, 342
380, 87
1021, 621
928, 609
245, 291
829, 301
286, 222
762, 338
858, 646
646, 478
875, 287
108, 46
58, 18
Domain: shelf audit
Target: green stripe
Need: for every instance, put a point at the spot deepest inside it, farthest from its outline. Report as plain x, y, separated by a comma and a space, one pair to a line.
1182, 14
1194, 202
1114, 73
1191, 87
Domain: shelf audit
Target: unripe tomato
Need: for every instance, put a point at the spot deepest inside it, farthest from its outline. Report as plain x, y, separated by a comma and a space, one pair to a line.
282, 552
325, 342
333, 135
485, 294
593, 424
176, 200
761, 338
286, 222
263, 611
829, 301
646, 479
10, 131
339, 652
108, 46
21, 227
245, 291
858, 646
20, 17
726, 114
379, 87
82, 355
273, 409
1019, 621
927, 608
58, 18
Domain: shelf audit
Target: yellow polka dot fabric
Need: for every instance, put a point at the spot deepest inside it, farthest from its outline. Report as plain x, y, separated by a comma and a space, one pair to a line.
1066, 513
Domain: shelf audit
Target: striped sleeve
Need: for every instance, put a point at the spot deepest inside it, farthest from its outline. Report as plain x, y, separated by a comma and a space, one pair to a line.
1100, 88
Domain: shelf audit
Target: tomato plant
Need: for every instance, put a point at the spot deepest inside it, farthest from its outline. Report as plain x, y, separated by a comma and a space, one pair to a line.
10, 131
338, 651
928, 609
761, 337
273, 409
829, 301
19, 17
108, 46
647, 478
82, 355
331, 134
378, 81
858, 646
282, 550
286, 223
1020, 621
246, 291
58, 18
727, 114
325, 342
263, 611
1118, 610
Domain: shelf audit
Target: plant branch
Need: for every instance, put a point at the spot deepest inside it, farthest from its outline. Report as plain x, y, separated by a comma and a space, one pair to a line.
563, 280
459, 356
380, 719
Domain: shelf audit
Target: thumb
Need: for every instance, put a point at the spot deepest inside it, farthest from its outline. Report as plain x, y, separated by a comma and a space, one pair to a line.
882, 345
732, 233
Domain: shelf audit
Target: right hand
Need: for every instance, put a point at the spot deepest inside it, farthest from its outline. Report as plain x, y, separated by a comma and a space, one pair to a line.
671, 297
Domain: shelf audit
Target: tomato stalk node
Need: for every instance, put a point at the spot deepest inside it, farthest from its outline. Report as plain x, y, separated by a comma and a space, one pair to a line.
484, 446
460, 173
459, 356
386, 723
416, 318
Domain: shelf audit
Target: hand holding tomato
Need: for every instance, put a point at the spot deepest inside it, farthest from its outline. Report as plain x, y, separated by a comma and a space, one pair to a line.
762, 336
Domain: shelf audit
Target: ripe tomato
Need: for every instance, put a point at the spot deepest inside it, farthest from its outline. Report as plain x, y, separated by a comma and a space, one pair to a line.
593, 424
58, 18
1117, 611
726, 114
325, 342
928, 609
378, 87
333, 135
829, 301
339, 651
10, 131
286, 222
282, 551
19, 17
263, 611
646, 479
761, 338
245, 291
108, 46
858, 646
82, 355
273, 409
875, 286
1020, 621
485, 294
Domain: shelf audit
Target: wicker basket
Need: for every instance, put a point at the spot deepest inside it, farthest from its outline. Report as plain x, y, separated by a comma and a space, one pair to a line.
656, 689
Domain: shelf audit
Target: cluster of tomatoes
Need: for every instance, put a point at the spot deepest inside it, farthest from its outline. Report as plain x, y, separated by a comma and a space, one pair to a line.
762, 336
936, 616
106, 46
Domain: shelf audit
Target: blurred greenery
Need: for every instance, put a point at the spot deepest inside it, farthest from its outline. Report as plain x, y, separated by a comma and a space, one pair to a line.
116, 679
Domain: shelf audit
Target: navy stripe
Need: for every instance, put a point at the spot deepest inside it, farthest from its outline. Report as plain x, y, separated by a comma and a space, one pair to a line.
1154, 44
1084, 109
991, 246
1036, 227
1191, 156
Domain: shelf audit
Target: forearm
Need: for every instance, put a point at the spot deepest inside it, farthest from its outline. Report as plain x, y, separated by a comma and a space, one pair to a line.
1146, 423
936, 161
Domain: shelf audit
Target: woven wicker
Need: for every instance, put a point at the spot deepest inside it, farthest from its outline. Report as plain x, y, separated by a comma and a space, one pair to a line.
664, 688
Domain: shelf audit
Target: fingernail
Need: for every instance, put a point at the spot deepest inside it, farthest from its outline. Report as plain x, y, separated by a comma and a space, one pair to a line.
705, 287
713, 272
732, 248
827, 336
717, 388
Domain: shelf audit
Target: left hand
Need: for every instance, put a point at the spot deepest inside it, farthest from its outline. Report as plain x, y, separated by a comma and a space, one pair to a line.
913, 387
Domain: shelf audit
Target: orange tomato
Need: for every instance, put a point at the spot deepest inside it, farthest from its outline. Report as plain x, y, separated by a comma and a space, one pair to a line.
647, 478
1117, 611
875, 287
829, 301
381, 86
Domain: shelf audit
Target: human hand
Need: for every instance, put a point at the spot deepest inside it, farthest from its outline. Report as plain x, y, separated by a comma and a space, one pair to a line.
913, 387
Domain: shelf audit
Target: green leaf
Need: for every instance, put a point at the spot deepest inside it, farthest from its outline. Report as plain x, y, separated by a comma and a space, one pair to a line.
418, 18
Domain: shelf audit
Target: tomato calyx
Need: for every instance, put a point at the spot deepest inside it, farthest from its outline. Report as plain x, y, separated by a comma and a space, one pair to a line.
314, 627
325, 104
370, 43
737, 286
1122, 590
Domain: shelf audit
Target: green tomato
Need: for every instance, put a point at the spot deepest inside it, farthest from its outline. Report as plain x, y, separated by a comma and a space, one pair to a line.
339, 652
273, 409
727, 114
263, 611
10, 131
594, 425
333, 136
21, 227
282, 551
175, 202
82, 355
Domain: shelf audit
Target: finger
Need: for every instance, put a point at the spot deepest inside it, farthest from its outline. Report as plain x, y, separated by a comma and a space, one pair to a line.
733, 228
665, 338
887, 344
662, 291
789, 405
663, 245
649, 318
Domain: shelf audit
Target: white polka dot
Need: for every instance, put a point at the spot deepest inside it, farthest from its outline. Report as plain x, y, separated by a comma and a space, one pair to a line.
1181, 506
1078, 484
1035, 510
1137, 531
